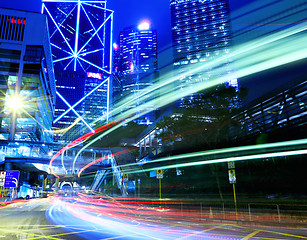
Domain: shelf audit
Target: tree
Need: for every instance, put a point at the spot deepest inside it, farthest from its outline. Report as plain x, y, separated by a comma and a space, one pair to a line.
203, 122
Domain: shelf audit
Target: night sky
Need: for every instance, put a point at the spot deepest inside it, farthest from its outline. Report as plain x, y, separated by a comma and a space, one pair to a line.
132, 12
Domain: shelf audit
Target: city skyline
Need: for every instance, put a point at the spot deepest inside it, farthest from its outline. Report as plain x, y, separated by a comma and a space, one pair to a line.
182, 152
127, 13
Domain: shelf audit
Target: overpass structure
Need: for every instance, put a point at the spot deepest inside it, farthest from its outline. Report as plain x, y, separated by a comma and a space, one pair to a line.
36, 156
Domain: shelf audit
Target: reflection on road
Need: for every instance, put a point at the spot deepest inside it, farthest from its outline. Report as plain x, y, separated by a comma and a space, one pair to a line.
107, 218
97, 217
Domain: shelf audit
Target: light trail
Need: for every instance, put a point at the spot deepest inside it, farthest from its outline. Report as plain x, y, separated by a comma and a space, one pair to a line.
64, 130
223, 160
103, 158
234, 150
161, 219
262, 54
77, 141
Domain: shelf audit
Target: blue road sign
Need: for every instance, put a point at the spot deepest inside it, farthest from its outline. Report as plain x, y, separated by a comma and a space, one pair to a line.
11, 179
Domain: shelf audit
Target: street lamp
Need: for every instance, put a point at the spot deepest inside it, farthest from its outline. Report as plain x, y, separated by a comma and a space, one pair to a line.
14, 103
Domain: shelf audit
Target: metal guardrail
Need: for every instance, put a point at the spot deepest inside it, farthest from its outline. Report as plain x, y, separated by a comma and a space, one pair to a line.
278, 212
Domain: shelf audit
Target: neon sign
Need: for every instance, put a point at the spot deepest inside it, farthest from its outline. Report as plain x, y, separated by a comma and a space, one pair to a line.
94, 75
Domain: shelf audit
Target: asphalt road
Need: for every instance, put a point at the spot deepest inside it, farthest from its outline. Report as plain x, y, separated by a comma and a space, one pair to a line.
27, 220
81, 218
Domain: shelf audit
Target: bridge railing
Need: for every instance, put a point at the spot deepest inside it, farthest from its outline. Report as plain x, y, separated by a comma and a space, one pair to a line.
117, 174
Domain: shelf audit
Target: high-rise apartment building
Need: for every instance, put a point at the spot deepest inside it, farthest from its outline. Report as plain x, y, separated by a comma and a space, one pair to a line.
136, 66
81, 44
201, 32
27, 84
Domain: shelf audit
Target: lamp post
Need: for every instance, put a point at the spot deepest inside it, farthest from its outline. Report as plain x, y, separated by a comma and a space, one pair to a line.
14, 104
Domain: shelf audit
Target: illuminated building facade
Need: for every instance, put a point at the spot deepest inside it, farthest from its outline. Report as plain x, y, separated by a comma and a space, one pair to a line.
201, 32
137, 63
95, 105
27, 81
81, 43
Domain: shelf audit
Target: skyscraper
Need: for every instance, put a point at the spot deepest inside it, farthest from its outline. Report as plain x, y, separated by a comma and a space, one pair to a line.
137, 64
27, 84
81, 40
201, 32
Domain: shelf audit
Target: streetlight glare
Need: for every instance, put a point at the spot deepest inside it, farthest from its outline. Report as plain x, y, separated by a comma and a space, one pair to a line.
14, 102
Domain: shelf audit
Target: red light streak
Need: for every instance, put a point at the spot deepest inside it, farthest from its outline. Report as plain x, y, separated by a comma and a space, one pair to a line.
103, 158
78, 140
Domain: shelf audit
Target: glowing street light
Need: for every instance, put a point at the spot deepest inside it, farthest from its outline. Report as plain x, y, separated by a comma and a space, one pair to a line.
14, 103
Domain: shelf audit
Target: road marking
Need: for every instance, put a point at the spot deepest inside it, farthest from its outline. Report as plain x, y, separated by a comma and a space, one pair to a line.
268, 231
251, 235
61, 234
206, 230
37, 236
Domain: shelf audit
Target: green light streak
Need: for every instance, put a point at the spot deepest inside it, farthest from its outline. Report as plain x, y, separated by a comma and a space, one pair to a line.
275, 50
227, 150
223, 160
265, 53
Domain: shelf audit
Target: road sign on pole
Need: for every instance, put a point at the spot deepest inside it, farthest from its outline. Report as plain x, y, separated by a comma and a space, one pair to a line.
160, 173
231, 164
125, 177
11, 179
232, 176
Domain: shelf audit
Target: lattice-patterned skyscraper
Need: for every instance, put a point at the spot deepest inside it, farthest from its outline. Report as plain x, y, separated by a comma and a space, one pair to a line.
81, 44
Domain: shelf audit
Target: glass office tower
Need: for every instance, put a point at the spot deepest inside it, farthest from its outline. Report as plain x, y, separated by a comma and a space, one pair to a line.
136, 66
27, 84
201, 33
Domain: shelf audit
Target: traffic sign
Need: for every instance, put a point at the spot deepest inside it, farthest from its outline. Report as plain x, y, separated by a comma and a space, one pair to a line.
160, 173
125, 177
139, 181
11, 179
231, 164
232, 176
